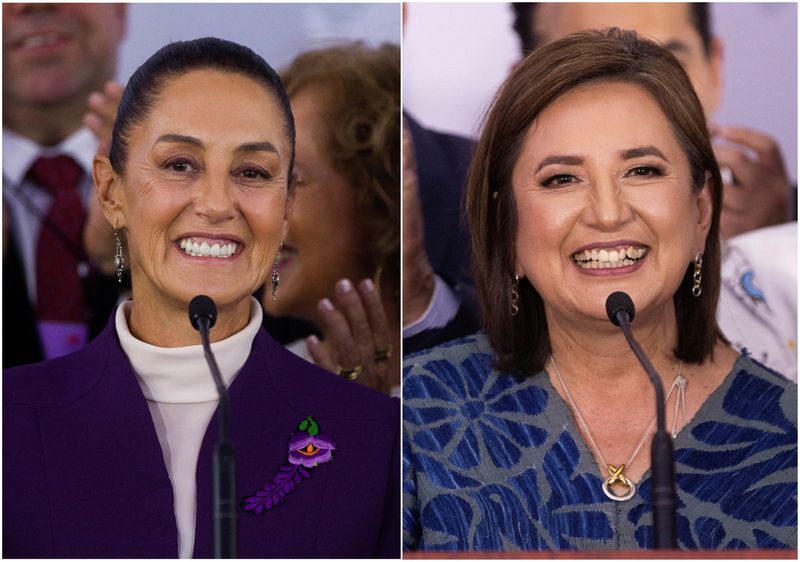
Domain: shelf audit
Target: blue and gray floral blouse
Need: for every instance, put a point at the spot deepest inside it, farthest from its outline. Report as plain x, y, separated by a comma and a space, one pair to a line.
495, 462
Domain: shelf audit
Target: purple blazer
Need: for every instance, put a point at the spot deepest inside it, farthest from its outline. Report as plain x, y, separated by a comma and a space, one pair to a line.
84, 475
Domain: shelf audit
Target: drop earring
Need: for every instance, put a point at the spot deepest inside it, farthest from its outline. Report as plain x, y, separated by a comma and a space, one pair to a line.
515, 296
119, 260
698, 275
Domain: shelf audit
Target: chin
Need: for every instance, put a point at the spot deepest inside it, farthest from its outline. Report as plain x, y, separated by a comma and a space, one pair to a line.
222, 296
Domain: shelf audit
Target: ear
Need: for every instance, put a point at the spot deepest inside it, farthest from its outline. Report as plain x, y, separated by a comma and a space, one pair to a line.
705, 210
715, 61
109, 191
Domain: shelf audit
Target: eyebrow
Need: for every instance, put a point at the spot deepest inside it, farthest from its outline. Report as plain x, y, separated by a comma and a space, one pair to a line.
257, 147
246, 147
560, 159
639, 151
628, 154
183, 139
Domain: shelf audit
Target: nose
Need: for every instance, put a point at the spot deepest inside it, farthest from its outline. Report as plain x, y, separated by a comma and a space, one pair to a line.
215, 199
608, 208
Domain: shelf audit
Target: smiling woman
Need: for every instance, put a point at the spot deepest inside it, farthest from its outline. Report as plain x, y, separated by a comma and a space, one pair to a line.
198, 182
594, 174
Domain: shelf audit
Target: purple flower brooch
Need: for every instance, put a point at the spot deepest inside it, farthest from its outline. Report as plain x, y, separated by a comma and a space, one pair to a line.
307, 449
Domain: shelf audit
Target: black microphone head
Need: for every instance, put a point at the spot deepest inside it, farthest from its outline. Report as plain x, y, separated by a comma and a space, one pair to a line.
618, 302
202, 307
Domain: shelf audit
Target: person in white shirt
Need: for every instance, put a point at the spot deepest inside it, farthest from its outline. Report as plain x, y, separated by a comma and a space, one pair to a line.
54, 57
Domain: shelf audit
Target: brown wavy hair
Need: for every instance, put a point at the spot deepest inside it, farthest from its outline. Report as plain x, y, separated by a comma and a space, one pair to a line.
522, 341
361, 138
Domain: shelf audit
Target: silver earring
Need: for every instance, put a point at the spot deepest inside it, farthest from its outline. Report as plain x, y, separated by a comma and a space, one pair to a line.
515, 296
119, 260
698, 275
276, 275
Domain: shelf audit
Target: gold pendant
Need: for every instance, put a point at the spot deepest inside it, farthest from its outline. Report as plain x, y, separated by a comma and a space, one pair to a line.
616, 476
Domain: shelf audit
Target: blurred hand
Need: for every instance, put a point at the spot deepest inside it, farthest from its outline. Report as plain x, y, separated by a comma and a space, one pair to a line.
101, 114
356, 328
761, 193
418, 277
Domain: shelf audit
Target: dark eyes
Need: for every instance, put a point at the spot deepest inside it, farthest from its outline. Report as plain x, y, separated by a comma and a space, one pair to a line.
248, 173
646, 171
180, 165
636, 172
559, 179
253, 173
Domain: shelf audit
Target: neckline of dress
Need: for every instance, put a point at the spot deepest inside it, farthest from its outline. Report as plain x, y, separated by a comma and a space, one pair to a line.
585, 451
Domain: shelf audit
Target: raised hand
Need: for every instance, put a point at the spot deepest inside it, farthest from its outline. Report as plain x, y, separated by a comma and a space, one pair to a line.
359, 343
760, 194
102, 113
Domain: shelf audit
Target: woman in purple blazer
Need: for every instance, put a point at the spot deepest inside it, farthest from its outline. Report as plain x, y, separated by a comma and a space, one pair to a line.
107, 452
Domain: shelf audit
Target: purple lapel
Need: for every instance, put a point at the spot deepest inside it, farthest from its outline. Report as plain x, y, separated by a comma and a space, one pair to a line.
261, 424
337, 512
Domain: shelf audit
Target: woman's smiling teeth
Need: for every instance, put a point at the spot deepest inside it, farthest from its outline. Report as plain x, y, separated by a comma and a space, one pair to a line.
205, 250
605, 258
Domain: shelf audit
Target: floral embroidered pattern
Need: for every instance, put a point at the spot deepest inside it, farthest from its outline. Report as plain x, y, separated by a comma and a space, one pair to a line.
307, 449
494, 462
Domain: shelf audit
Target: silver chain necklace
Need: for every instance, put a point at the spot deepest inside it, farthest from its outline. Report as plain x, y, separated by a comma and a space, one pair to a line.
616, 474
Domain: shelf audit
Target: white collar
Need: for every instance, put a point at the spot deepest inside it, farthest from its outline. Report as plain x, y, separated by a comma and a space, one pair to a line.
181, 374
19, 153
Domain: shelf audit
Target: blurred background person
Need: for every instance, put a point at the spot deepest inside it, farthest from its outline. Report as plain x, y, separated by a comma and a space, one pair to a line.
54, 297
340, 263
439, 301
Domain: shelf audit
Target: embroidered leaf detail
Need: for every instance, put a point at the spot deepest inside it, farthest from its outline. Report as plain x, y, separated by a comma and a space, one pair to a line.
273, 493
313, 428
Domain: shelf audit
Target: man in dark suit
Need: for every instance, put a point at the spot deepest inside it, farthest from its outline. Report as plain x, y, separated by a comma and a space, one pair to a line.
54, 56
438, 299
439, 302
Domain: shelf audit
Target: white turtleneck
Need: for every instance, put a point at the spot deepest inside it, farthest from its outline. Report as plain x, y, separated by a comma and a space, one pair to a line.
182, 397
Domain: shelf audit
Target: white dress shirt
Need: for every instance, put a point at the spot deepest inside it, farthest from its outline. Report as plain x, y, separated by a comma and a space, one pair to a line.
19, 154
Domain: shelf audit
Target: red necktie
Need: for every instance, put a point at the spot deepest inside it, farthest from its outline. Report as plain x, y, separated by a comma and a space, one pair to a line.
59, 292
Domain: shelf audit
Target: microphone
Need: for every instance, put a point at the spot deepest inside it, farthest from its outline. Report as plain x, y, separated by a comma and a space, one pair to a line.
202, 308
618, 303
621, 311
203, 316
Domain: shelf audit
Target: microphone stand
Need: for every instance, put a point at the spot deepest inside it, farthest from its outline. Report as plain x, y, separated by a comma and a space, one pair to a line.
224, 467
661, 453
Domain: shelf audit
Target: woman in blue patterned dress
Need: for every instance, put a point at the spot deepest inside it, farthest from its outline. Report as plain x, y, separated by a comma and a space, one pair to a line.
595, 173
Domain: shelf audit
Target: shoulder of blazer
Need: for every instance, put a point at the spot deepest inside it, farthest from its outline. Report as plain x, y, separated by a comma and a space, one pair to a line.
308, 388
61, 381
